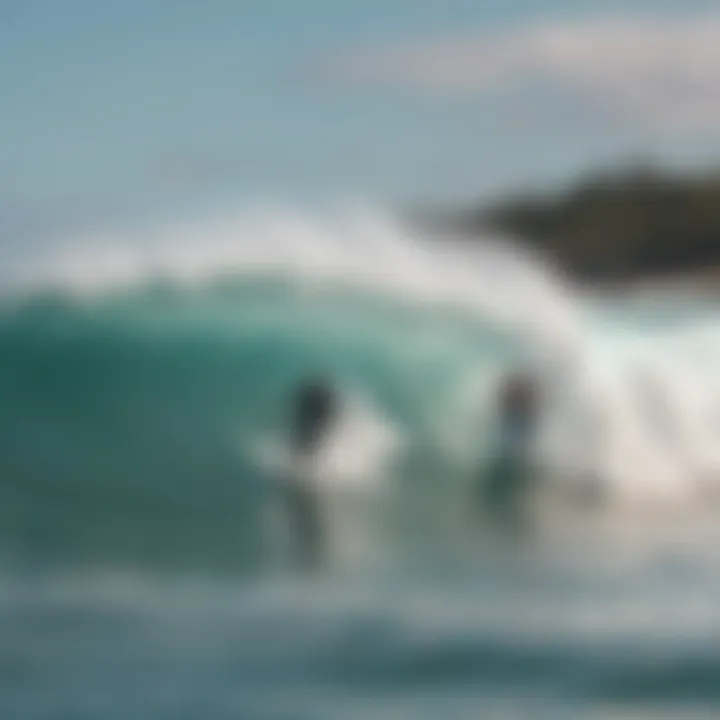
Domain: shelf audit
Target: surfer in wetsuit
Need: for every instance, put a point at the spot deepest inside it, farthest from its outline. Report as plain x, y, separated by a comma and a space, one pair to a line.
314, 410
507, 478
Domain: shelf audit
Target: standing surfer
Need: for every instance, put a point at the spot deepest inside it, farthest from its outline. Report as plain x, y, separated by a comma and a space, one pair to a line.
507, 479
314, 410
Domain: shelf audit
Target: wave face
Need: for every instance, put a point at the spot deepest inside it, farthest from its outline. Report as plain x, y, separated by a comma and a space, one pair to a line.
145, 379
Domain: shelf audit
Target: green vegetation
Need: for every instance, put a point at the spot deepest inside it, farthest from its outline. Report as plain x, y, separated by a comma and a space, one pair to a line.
626, 225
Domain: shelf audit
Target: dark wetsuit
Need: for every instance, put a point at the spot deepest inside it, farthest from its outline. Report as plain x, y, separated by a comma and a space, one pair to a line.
314, 410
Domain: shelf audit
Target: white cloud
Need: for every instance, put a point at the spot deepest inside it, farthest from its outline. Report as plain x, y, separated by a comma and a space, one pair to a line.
661, 72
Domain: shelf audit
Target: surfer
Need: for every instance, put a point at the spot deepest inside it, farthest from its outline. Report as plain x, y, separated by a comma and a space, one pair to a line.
506, 480
314, 409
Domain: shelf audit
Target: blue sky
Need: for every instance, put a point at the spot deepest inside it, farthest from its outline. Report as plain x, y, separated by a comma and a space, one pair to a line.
108, 106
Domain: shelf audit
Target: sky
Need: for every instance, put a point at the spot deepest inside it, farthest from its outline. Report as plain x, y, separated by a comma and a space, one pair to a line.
128, 105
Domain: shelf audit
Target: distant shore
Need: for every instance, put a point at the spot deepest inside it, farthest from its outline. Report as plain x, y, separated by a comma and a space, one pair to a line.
703, 281
632, 230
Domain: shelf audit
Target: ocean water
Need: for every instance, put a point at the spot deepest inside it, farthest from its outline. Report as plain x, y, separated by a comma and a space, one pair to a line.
144, 384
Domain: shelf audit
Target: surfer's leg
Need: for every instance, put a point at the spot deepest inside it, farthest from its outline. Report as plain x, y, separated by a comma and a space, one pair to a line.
504, 491
312, 533
308, 535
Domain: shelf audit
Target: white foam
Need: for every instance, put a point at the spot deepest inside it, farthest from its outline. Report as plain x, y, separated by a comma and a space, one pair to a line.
641, 415
356, 453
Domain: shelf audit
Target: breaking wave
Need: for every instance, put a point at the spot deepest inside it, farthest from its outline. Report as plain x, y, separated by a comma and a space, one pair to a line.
145, 376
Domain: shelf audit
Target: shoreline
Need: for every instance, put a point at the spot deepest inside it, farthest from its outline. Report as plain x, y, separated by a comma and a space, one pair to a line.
691, 282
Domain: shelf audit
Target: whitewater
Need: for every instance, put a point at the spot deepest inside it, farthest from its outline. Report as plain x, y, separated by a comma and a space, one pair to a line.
144, 382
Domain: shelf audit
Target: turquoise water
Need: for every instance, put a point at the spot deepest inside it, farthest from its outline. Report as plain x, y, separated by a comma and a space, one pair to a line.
129, 423
141, 432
